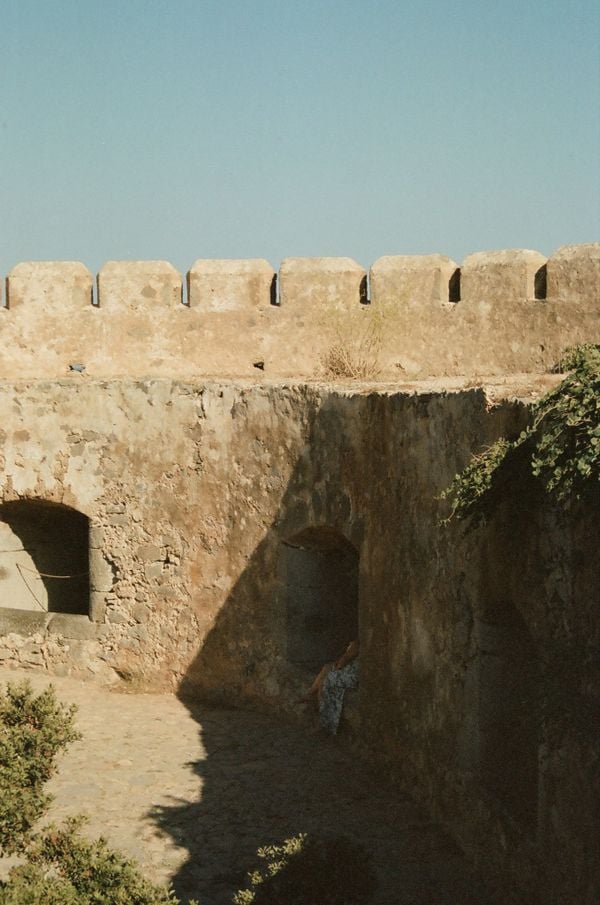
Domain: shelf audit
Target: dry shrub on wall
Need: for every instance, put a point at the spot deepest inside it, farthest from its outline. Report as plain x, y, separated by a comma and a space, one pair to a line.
354, 355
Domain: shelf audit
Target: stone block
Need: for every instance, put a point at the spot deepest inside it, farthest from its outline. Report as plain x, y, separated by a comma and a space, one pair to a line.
150, 553
118, 521
139, 284
30, 659
23, 622
53, 286
139, 632
97, 606
97, 537
573, 274
101, 573
70, 626
140, 612
321, 284
60, 670
235, 285
411, 281
500, 276
153, 570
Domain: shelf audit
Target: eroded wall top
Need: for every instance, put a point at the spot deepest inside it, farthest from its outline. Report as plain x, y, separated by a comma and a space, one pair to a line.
411, 316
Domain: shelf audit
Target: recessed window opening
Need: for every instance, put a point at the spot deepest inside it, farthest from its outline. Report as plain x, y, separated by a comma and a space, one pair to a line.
44, 557
319, 577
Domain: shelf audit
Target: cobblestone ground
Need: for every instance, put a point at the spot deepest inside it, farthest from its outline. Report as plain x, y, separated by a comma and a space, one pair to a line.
192, 796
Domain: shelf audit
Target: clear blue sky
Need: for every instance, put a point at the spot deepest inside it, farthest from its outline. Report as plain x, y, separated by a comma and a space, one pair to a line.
266, 128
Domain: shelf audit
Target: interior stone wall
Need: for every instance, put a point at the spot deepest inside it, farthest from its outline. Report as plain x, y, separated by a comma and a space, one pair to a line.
469, 641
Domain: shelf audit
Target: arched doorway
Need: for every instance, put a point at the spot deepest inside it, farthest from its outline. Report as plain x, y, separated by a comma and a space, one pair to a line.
44, 557
319, 581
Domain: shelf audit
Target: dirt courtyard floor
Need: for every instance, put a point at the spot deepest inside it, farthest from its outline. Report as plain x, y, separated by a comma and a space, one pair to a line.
192, 795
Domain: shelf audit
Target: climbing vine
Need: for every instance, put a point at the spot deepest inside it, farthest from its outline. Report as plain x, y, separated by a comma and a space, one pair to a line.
560, 448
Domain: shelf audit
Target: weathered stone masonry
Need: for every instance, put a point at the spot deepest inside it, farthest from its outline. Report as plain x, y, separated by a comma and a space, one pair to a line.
218, 508
500, 312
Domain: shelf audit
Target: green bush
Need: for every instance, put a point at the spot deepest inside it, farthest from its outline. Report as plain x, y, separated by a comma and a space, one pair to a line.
33, 730
307, 871
64, 867
58, 865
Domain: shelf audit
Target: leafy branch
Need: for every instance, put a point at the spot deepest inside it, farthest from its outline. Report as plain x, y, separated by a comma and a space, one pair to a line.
560, 449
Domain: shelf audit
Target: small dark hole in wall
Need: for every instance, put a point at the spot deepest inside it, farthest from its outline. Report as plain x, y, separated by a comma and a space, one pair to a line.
364, 293
185, 290
539, 283
454, 286
44, 557
274, 291
319, 578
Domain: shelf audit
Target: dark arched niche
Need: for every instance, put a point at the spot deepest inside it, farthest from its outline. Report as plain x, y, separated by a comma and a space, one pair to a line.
44, 557
319, 579
503, 713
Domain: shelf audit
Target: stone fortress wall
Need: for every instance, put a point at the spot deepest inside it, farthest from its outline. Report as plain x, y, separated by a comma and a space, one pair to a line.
412, 317
222, 527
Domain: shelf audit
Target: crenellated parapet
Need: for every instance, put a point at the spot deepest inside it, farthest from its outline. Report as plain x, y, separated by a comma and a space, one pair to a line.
411, 316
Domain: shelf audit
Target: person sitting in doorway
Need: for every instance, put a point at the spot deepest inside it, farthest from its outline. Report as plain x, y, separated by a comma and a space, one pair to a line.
330, 685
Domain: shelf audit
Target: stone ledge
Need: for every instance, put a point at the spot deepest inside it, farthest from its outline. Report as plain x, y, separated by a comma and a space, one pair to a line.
23, 622
77, 628
31, 622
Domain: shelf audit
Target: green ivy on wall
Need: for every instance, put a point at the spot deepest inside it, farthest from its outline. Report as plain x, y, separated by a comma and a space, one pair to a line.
560, 449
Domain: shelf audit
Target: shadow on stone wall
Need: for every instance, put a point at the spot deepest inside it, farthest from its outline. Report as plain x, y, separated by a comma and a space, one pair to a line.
263, 780
260, 784
260, 647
